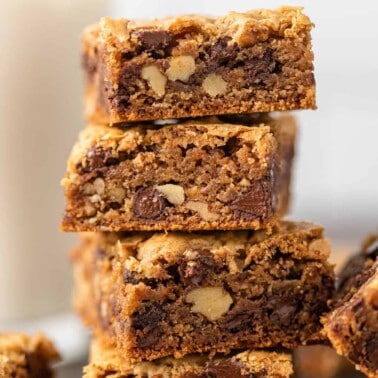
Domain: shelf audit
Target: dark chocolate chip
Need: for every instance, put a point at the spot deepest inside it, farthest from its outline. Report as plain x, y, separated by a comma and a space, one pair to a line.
148, 203
153, 40
146, 324
37, 366
372, 351
148, 316
130, 277
127, 86
221, 54
224, 369
97, 158
282, 310
256, 203
260, 67
243, 315
199, 270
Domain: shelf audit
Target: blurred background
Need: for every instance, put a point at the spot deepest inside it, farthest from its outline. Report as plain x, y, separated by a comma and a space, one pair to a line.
336, 173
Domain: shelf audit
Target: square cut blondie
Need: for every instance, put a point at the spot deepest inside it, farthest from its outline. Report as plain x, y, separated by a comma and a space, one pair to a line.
191, 66
160, 294
23, 356
352, 326
105, 362
197, 175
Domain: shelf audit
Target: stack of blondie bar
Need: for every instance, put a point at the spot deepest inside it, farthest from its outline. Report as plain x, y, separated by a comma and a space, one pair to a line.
180, 181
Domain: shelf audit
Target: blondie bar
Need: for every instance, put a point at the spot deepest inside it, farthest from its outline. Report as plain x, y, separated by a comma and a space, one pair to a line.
190, 66
352, 326
106, 362
198, 175
159, 294
23, 356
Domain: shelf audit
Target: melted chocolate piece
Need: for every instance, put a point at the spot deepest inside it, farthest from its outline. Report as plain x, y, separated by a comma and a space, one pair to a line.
261, 66
224, 369
256, 203
197, 272
148, 203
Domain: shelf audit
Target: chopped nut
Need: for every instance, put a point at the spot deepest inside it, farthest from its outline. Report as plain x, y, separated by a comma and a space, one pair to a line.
203, 210
181, 68
89, 189
212, 302
99, 185
117, 194
174, 193
214, 85
95, 198
89, 210
155, 78
245, 182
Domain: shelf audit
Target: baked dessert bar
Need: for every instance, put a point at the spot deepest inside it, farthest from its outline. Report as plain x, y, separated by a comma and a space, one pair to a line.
321, 361
106, 362
352, 326
160, 294
190, 66
197, 175
23, 356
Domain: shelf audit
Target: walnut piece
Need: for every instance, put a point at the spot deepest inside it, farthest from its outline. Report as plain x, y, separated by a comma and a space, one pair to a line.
99, 185
203, 210
155, 78
173, 193
214, 85
212, 302
117, 194
181, 68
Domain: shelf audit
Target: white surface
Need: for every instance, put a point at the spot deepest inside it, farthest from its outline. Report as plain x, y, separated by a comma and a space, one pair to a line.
336, 176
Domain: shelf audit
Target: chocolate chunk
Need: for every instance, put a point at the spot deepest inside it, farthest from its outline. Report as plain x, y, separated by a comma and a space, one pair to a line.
154, 39
372, 250
198, 271
148, 203
282, 310
256, 203
127, 86
146, 324
243, 315
224, 369
148, 316
37, 366
130, 277
97, 158
260, 67
372, 351
221, 54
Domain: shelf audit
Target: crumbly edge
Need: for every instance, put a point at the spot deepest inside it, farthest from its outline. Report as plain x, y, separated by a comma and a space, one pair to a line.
21, 354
